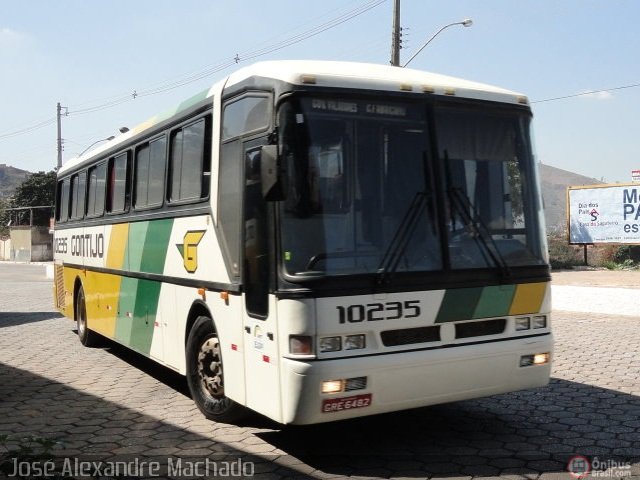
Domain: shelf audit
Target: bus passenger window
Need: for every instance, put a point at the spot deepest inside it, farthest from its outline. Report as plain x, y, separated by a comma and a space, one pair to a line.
62, 208
189, 164
149, 174
78, 183
95, 193
117, 192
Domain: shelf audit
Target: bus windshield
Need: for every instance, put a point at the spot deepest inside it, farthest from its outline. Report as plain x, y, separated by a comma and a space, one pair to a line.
362, 194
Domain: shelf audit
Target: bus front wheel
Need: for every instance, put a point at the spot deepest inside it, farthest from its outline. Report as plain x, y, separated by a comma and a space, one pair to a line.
205, 374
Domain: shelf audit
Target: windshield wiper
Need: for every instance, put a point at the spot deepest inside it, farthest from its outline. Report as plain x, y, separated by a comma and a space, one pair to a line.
400, 240
462, 205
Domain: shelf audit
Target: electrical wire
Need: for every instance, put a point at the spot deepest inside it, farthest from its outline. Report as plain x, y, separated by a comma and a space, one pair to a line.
209, 70
239, 58
590, 92
31, 128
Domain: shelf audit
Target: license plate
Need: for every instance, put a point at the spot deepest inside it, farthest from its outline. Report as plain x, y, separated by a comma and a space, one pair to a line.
346, 403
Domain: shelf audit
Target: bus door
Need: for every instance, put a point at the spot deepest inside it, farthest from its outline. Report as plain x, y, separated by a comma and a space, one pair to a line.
259, 316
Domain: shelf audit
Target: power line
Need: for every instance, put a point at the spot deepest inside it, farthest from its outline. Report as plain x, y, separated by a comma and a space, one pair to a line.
239, 58
590, 92
209, 70
31, 128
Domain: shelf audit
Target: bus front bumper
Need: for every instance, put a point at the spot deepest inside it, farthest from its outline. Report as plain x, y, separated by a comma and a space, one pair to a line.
404, 380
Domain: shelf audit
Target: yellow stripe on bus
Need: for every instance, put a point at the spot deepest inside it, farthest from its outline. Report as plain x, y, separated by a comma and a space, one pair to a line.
117, 246
528, 298
102, 291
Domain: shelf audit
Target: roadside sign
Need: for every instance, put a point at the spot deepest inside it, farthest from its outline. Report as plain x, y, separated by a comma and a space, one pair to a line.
604, 214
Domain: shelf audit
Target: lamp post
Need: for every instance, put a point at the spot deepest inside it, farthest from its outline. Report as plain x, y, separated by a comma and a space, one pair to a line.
465, 23
108, 139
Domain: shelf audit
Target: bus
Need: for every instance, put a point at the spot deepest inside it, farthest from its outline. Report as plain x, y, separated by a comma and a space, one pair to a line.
317, 241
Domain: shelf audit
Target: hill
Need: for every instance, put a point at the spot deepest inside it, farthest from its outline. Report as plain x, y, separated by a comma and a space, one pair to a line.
554, 182
10, 178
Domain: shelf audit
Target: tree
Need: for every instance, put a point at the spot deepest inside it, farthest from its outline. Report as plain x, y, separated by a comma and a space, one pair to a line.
39, 189
4, 216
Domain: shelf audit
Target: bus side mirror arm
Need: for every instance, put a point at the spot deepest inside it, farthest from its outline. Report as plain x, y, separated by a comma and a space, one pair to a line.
270, 173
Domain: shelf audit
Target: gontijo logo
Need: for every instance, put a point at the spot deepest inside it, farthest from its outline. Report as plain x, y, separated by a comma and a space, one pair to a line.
189, 249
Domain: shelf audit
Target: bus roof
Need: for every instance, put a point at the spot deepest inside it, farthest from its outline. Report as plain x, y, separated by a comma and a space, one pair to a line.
364, 76
370, 76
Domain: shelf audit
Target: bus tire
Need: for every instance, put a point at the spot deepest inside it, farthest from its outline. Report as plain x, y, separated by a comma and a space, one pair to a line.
205, 374
87, 337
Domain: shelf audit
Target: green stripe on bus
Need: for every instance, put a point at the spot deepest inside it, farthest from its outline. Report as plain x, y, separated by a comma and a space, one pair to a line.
136, 245
458, 304
156, 243
144, 315
138, 306
494, 301
126, 305
189, 102
152, 258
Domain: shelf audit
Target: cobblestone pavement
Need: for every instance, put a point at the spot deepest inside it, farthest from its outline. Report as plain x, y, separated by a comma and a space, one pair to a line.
109, 403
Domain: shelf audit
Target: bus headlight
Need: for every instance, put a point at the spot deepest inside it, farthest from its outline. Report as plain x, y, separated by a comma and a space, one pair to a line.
330, 344
540, 321
523, 323
354, 342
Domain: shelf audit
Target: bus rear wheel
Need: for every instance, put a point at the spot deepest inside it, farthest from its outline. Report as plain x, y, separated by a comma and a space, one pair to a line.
205, 374
87, 337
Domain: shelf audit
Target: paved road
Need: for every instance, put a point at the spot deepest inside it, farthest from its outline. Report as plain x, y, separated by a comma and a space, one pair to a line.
111, 403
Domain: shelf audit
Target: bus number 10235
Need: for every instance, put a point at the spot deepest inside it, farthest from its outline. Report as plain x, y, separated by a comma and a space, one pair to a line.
372, 312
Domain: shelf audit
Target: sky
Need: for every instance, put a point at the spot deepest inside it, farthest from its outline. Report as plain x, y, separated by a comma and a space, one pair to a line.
116, 63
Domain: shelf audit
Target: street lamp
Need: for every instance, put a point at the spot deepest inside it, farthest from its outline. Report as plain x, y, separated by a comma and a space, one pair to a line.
108, 139
465, 23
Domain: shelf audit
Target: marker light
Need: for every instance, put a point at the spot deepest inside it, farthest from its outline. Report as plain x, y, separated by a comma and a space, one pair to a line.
540, 321
332, 386
308, 79
330, 344
523, 323
354, 342
300, 345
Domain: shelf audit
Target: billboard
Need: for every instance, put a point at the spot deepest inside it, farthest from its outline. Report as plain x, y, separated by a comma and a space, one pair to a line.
604, 214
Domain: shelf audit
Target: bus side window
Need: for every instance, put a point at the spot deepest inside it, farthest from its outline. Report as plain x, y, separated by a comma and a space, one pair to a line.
190, 162
95, 190
118, 187
246, 116
149, 173
78, 184
62, 207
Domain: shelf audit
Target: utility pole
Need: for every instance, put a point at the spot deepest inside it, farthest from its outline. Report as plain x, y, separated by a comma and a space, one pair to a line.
395, 35
58, 117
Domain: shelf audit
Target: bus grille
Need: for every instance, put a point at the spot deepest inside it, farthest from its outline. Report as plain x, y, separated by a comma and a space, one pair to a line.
407, 336
59, 278
479, 329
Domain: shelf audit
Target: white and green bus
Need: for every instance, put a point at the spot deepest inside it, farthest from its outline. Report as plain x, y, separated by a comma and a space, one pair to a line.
317, 241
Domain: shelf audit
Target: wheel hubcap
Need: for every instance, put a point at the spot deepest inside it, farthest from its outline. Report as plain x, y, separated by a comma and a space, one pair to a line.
210, 367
